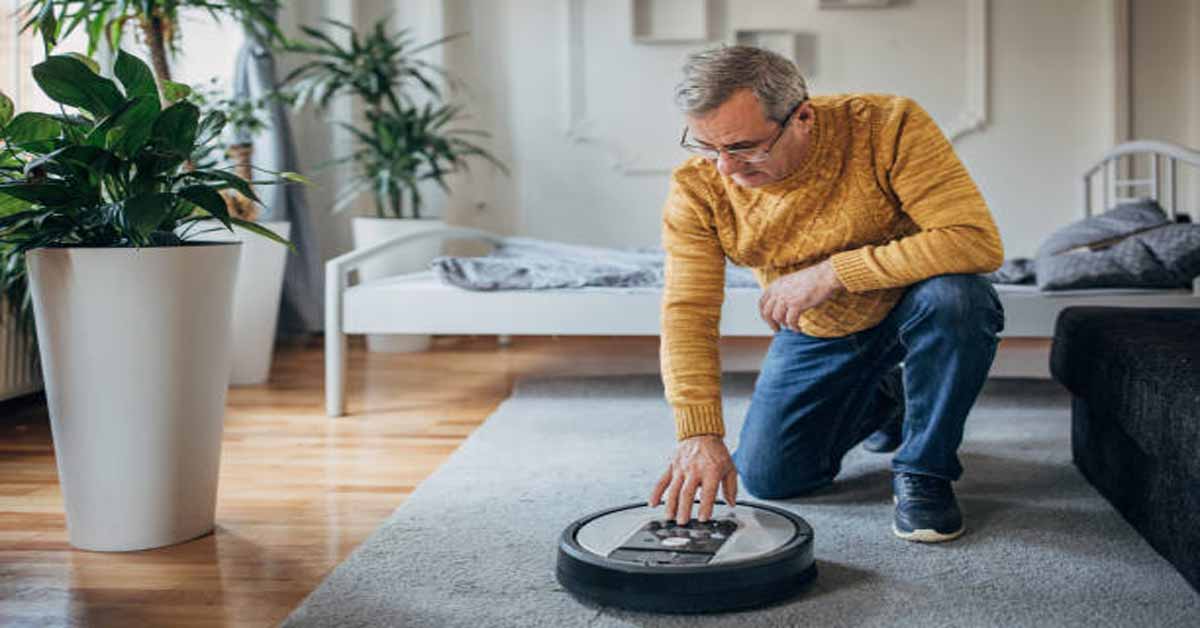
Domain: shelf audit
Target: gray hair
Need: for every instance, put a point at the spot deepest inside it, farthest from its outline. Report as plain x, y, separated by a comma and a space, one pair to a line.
711, 77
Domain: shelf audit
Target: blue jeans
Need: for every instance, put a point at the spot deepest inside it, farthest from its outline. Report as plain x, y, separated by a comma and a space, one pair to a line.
816, 398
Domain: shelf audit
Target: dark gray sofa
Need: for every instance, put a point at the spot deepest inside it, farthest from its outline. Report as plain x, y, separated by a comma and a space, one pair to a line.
1134, 375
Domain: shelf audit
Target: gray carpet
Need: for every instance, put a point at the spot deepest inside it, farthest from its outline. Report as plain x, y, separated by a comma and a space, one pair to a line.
475, 543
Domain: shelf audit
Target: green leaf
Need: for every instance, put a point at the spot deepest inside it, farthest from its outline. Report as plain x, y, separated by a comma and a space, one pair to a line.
95, 30
68, 81
227, 180
86, 60
209, 200
48, 25
142, 214
98, 136
263, 231
47, 194
91, 159
10, 206
210, 127
6, 109
174, 130
134, 128
32, 127
175, 92
136, 76
296, 177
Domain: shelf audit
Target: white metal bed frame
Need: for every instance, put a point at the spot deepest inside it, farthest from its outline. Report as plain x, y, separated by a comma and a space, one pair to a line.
417, 303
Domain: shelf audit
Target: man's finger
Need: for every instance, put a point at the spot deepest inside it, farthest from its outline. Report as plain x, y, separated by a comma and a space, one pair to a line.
663, 482
673, 496
708, 495
764, 311
687, 497
793, 318
730, 484
779, 312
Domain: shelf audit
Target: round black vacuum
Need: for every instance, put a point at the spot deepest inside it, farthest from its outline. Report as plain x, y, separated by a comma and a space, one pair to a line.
631, 557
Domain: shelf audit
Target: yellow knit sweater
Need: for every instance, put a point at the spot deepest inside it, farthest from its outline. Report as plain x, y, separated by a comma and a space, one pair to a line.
881, 194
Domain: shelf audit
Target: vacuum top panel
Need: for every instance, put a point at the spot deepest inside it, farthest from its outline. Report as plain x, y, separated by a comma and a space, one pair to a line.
735, 534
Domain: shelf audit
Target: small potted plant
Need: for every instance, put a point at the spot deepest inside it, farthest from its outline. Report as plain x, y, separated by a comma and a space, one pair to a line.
132, 311
410, 138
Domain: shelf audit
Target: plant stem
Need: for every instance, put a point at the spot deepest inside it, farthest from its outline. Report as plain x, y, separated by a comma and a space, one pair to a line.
153, 27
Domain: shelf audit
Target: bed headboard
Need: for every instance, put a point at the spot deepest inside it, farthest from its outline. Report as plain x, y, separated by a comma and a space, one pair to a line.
1162, 160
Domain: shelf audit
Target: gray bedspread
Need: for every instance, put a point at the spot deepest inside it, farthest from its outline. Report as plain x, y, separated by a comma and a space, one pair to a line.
1132, 245
532, 264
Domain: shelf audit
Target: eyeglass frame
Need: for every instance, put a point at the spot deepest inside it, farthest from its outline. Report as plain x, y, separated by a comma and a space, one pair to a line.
703, 151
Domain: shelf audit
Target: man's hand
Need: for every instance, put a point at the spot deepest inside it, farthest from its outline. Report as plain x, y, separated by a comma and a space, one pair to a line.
789, 296
699, 463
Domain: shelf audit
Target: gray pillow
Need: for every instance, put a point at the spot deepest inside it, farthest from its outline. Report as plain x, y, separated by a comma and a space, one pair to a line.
1120, 221
1164, 257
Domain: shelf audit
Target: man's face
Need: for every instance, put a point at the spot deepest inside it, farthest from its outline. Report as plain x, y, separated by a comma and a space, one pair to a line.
741, 123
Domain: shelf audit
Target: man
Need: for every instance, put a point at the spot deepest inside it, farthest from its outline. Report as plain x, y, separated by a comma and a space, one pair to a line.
868, 235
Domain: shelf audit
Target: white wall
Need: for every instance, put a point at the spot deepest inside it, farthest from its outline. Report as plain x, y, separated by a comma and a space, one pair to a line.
1049, 101
1165, 71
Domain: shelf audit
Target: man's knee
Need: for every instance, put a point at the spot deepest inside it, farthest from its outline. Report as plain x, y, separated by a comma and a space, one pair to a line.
962, 303
773, 475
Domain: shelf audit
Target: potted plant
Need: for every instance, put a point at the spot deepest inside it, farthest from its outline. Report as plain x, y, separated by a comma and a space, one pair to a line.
409, 138
260, 276
132, 312
260, 273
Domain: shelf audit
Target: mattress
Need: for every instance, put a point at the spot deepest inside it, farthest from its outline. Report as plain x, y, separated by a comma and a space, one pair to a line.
419, 303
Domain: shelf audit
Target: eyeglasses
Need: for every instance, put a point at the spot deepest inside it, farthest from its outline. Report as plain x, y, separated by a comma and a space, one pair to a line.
749, 154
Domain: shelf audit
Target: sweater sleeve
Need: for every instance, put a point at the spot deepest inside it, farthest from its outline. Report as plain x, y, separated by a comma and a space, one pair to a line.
691, 309
957, 234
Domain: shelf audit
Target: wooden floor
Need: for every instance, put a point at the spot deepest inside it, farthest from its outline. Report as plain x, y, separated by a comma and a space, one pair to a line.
298, 490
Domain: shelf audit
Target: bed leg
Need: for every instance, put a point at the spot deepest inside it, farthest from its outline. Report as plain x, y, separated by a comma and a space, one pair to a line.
335, 373
335, 342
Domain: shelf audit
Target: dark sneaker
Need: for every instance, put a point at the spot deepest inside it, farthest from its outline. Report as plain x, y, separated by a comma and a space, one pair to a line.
926, 510
889, 435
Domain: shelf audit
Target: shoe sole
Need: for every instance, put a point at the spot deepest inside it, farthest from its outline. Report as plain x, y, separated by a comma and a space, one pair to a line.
927, 536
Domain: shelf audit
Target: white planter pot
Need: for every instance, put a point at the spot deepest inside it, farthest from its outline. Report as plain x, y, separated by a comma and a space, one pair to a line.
410, 258
255, 301
135, 347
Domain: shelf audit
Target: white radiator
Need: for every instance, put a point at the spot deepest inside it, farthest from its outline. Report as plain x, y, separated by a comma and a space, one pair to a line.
20, 369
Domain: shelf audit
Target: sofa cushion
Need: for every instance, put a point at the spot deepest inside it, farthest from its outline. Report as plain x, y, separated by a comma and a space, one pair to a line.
1143, 364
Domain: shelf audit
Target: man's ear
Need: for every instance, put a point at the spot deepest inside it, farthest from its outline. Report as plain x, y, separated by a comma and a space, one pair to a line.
805, 112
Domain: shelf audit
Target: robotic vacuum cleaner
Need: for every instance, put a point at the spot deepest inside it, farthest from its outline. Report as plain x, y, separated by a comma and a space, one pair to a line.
631, 557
